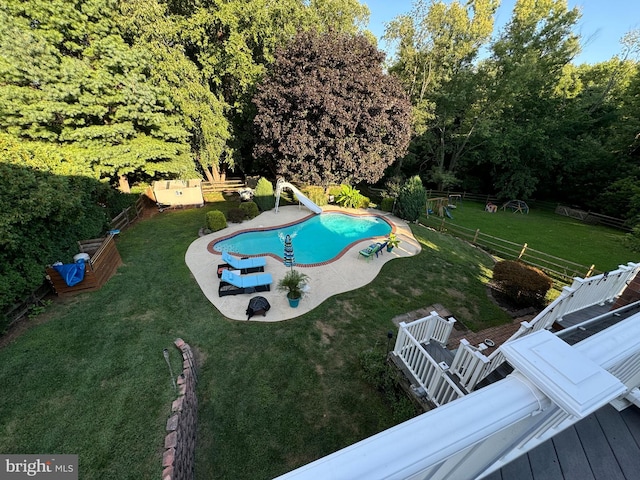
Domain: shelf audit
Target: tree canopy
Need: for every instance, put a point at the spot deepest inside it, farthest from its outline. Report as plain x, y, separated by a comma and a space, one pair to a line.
327, 113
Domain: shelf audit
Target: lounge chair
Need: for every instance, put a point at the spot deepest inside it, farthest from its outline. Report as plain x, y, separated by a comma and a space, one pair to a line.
233, 284
245, 265
372, 249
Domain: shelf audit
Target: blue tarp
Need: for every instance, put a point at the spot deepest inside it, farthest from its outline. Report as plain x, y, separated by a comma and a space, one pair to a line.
72, 273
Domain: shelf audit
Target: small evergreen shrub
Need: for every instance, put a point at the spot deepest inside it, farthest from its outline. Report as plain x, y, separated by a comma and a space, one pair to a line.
387, 204
263, 195
315, 194
216, 220
412, 199
235, 215
522, 285
250, 209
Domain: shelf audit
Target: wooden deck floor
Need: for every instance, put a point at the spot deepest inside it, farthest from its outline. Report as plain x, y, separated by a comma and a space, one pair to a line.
603, 446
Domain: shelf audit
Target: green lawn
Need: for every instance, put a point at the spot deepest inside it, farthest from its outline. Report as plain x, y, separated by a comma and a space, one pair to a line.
550, 233
272, 396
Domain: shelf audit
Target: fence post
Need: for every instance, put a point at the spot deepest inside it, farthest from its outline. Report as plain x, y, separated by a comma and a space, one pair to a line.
475, 237
442, 225
524, 248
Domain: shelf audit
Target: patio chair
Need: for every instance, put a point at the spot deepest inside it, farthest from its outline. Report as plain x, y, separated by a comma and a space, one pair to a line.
245, 265
233, 284
373, 249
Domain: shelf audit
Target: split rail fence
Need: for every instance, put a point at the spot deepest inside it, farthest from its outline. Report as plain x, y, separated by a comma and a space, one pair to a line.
558, 268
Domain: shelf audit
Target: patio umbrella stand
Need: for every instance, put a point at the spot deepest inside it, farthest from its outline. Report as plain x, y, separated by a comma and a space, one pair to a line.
289, 259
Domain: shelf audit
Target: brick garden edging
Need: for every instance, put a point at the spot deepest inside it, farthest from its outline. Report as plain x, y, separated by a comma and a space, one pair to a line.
180, 442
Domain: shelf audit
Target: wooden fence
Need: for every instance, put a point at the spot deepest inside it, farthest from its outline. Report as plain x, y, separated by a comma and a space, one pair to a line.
230, 184
593, 218
558, 268
129, 215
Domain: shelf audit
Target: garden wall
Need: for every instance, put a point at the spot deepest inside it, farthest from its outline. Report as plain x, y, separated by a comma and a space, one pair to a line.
180, 442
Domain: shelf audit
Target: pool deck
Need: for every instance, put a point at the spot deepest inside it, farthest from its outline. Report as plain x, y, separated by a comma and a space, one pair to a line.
348, 272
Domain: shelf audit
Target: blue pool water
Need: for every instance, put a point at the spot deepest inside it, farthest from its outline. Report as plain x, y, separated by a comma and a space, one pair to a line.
318, 239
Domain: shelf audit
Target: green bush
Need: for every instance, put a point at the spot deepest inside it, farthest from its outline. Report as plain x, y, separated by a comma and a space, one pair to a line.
387, 204
315, 194
235, 215
412, 199
334, 190
385, 379
263, 195
250, 209
216, 220
350, 197
522, 285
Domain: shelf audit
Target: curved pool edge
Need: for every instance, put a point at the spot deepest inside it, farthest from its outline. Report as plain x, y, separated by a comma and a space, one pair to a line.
346, 273
302, 220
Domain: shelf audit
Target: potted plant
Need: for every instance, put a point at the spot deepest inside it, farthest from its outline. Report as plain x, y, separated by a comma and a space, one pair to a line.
392, 241
293, 283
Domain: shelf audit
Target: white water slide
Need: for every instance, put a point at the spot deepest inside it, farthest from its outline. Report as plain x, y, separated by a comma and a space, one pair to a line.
301, 197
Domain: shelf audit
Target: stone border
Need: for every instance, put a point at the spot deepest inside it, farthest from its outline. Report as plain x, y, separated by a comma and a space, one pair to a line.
178, 459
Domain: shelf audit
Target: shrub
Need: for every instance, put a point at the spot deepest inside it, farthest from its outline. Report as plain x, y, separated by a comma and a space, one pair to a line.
250, 209
522, 285
385, 380
235, 215
216, 220
315, 194
333, 191
263, 195
412, 199
350, 197
213, 197
387, 204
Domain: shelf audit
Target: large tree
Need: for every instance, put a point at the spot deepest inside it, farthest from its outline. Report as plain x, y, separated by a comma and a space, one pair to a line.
68, 78
438, 44
327, 112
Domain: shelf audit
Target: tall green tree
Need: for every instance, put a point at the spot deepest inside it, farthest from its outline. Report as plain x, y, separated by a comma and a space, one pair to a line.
520, 142
68, 78
438, 44
327, 113
233, 42
148, 25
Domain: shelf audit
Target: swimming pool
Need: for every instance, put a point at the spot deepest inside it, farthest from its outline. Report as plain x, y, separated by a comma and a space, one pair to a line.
318, 239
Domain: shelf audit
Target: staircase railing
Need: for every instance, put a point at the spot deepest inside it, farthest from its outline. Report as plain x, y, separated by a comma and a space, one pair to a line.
431, 375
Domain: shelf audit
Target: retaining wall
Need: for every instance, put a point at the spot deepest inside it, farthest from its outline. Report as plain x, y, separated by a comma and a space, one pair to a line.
180, 442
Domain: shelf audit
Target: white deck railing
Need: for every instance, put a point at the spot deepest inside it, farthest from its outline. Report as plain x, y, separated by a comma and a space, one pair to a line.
471, 366
479, 433
428, 373
432, 328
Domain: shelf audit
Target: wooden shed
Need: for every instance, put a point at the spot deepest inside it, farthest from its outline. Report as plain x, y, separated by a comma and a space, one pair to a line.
178, 193
104, 260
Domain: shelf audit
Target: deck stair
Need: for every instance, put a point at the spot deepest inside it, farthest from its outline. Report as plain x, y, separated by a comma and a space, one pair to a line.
445, 379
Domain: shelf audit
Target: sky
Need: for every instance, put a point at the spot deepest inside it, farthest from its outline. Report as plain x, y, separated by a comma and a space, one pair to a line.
602, 25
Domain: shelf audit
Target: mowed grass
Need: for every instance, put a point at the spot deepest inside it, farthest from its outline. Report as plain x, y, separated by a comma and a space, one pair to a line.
550, 233
93, 381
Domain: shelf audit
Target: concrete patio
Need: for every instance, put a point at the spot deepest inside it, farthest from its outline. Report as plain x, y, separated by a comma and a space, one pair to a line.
348, 272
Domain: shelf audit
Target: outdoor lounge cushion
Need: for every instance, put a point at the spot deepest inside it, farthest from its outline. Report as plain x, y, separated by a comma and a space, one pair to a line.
246, 281
243, 263
374, 248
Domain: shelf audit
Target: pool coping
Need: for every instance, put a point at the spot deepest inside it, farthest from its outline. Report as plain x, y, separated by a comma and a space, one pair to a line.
304, 219
343, 273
